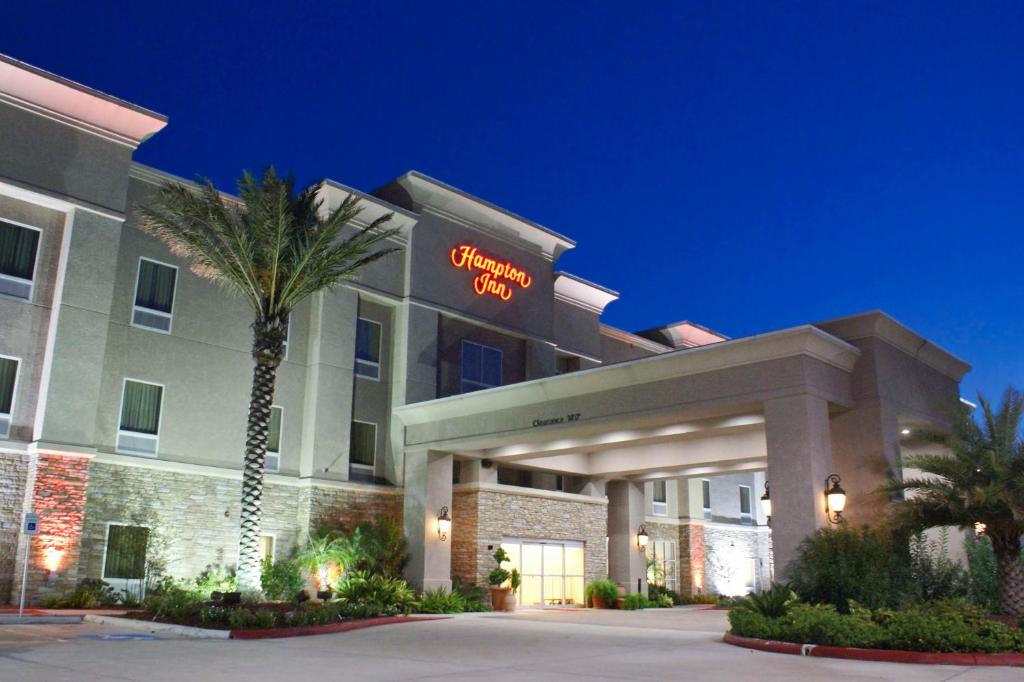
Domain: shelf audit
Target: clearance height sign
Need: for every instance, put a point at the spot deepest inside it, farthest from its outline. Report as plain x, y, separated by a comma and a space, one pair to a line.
493, 276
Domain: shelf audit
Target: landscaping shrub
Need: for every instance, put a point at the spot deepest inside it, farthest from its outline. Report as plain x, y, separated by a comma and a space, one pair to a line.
933, 575
172, 601
689, 599
636, 601
364, 595
214, 578
837, 565
281, 579
89, 593
474, 597
773, 602
656, 593
981, 570
941, 626
604, 589
663, 601
441, 601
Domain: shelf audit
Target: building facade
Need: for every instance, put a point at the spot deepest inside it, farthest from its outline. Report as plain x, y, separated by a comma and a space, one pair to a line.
463, 373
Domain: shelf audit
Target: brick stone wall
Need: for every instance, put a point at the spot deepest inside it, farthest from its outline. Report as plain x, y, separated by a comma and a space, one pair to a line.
344, 507
482, 517
58, 484
728, 551
13, 477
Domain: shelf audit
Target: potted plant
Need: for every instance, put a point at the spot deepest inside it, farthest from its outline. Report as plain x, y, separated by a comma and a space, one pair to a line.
500, 595
602, 593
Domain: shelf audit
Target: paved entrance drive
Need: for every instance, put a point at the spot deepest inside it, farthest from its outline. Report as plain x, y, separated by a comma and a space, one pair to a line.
677, 644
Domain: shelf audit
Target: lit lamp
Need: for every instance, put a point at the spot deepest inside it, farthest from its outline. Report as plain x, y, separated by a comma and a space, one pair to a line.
766, 502
642, 537
444, 524
835, 499
52, 557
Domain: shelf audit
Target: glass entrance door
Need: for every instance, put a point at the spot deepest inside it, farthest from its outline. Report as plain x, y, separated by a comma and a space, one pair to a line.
551, 570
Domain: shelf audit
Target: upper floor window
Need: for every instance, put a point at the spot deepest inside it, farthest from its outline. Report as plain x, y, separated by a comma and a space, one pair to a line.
139, 430
481, 367
8, 380
362, 449
745, 501
660, 498
272, 462
564, 364
368, 348
705, 489
154, 295
19, 245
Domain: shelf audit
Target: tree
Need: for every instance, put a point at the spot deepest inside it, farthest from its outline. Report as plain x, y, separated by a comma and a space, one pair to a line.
274, 247
979, 481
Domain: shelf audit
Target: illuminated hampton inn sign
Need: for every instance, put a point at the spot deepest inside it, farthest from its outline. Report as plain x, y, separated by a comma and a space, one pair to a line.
495, 277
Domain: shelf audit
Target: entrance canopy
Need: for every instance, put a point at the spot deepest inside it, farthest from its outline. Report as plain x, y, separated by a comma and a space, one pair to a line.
690, 412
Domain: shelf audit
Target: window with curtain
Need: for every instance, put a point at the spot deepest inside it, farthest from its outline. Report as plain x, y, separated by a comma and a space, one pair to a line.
660, 498
140, 418
126, 553
273, 459
745, 501
362, 444
481, 367
368, 335
705, 489
18, 247
8, 378
154, 295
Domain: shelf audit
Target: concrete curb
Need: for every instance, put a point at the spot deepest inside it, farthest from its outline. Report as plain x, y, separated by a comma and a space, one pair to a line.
879, 655
156, 628
30, 619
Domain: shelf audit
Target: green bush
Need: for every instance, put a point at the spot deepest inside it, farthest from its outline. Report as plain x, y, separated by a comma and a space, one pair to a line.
941, 626
89, 593
281, 579
933, 575
474, 597
441, 601
636, 601
689, 599
840, 564
981, 570
603, 588
214, 578
499, 576
364, 595
656, 593
773, 602
172, 601
663, 601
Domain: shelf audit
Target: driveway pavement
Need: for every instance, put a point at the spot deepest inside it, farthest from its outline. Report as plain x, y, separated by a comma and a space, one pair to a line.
658, 645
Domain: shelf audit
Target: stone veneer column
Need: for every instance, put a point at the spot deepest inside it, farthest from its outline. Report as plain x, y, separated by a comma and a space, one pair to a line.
56, 491
627, 565
799, 460
428, 488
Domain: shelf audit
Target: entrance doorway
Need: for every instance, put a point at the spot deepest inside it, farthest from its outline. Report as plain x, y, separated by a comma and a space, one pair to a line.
552, 571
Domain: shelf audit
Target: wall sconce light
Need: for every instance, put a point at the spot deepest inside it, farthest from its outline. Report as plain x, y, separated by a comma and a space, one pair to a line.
52, 557
642, 538
444, 524
766, 502
979, 528
835, 499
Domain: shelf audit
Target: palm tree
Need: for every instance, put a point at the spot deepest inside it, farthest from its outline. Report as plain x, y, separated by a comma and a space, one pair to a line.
978, 484
274, 247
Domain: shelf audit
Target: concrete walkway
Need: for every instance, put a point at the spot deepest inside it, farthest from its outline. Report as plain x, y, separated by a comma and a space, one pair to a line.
535, 645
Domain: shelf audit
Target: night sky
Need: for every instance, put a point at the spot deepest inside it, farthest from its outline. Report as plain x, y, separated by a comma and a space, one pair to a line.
749, 166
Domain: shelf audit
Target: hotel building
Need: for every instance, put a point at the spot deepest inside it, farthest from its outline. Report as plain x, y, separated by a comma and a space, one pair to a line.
463, 374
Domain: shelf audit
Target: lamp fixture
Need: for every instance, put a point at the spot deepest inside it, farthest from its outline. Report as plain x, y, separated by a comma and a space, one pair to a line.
905, 432
766, 503
835, 499
642, 538
444, 524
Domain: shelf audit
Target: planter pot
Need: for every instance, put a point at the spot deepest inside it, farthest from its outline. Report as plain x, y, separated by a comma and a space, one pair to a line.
598, 602
620, 603
498, 597
510, 601
323, 595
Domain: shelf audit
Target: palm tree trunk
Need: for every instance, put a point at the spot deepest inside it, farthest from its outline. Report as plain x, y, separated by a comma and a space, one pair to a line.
1010, 577
267, 352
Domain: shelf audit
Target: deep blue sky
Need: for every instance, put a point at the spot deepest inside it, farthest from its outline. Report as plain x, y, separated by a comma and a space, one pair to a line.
749, 166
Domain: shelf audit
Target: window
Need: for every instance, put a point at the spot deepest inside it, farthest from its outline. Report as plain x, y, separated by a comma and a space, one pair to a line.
362, 446
745, 501
140, 418
287, 334
662, 569
8, 381
481, 367
552, 570
267, 547
660, 498
125, 557
566, 364
154, 295
19, 245
705, 488
368, 348
273, 459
